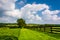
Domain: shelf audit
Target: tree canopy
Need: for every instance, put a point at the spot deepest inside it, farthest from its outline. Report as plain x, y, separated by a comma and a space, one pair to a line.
21, 23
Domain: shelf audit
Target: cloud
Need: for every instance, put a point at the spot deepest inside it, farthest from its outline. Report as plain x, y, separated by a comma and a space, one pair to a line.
7, 4
7, 19
51, 15
36, 7
29, 12
7, 7
47, 12
20, 3
14, 13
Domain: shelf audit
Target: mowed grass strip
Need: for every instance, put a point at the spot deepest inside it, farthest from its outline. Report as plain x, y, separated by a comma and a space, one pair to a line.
27, 34
9, 32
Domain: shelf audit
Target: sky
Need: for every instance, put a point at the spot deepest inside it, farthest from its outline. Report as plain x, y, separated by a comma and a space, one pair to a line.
32, 11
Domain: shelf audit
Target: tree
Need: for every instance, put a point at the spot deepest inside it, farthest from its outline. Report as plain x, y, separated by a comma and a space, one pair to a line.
21, 23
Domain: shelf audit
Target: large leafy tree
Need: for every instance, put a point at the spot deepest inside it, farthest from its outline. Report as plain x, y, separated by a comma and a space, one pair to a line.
21, 23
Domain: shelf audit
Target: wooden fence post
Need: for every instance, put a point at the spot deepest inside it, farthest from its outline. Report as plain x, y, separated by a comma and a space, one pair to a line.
40, 28
44, 28
51, 29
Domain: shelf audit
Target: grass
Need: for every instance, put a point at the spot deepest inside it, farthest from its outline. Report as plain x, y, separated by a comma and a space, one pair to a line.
55, 35
24, 34
27, 34
6, 33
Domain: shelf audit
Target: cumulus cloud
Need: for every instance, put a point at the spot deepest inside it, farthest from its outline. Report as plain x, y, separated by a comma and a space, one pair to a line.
51, 15
7, 19
14, 13
29, 12
50, 12
7, 4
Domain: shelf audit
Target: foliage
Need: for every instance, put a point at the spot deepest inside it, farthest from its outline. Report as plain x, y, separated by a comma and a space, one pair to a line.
21, 23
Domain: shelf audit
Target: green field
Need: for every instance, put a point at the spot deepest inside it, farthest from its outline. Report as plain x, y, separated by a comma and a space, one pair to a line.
6, 33
24, 34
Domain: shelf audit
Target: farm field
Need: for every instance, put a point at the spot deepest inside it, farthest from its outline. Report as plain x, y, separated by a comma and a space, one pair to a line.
9, 34
27, 34
24, 34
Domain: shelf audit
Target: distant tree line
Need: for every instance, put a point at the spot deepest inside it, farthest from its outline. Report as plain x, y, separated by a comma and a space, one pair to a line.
43, 25
21, 23
25, 25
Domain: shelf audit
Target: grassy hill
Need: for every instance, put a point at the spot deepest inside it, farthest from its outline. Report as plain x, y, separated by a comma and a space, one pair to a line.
27, 34
24, 34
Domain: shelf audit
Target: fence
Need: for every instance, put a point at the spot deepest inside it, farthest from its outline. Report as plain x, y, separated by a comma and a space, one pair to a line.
45, 29
50, 29
55, 29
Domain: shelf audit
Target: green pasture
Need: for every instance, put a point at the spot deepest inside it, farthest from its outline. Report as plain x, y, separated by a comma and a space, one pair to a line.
7, 33
25, 34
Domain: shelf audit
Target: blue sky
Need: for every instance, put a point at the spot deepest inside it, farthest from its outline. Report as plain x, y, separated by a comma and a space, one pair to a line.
54, 4
33, 11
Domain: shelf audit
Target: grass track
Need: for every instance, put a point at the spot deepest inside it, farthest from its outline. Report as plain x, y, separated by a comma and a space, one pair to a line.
27, 34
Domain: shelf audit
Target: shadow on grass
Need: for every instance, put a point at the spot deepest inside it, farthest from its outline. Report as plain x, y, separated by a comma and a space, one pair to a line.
55, 35
19, 32
6, 37
12, 36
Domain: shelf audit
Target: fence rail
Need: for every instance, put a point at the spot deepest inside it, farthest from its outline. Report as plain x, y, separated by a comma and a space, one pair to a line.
50, 29
55, 29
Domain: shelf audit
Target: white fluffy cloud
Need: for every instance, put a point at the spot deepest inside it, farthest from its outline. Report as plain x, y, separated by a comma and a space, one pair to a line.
51, 15
29, 12
47, 12
7, 19
7, 4
14, 13
7, 7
